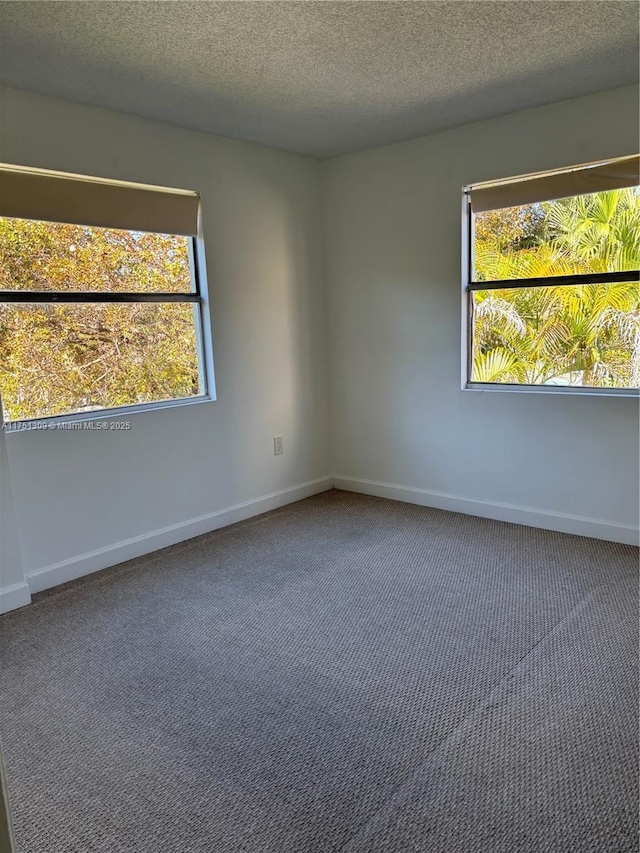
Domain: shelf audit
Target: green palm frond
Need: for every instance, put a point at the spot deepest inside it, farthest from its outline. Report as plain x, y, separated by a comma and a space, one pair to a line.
497, 365
499, 313
588, 332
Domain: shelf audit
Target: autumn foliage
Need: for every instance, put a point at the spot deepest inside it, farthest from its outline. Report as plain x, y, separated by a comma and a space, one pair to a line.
57, 358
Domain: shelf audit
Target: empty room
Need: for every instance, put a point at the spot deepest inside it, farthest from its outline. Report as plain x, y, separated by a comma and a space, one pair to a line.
320, 445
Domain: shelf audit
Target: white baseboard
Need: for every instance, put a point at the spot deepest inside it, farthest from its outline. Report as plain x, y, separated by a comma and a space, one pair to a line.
564, 523
104, 558
19, 595
12, 597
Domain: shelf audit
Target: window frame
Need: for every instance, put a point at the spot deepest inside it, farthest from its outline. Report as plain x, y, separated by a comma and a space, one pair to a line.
197, 297
469, 286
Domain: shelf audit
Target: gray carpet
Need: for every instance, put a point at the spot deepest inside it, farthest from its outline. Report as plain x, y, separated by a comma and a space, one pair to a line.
344, 674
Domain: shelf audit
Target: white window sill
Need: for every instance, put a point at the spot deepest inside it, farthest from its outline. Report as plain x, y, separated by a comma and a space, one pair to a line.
109, 417
565, 390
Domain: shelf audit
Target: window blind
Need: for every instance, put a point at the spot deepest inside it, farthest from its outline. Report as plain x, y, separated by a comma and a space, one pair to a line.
597, 177
28, 193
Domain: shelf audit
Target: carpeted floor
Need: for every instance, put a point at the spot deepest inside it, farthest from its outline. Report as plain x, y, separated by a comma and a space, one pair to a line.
344, 674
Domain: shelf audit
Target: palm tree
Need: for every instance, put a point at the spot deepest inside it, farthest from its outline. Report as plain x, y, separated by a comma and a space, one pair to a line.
587, 334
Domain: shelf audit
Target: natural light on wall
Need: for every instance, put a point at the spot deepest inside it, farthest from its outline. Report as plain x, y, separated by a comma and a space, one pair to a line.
553, 292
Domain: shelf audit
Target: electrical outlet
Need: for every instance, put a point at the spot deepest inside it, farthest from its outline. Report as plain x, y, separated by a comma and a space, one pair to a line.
278, 447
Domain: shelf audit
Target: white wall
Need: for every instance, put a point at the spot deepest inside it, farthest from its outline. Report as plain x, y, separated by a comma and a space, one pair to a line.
79, 494
400, 424
399, 418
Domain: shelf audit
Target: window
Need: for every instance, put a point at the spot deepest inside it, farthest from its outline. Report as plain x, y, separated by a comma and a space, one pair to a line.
102, 297
552, 291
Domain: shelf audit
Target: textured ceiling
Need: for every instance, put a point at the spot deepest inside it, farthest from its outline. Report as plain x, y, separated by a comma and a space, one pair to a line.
321, 78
